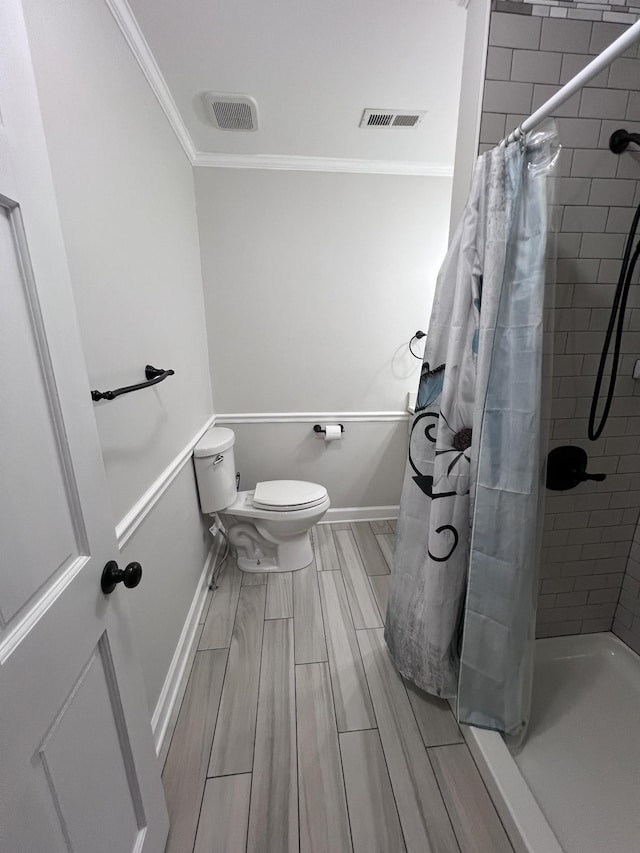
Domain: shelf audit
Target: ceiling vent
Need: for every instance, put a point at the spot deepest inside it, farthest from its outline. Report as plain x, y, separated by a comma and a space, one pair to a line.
392, 118
232, 112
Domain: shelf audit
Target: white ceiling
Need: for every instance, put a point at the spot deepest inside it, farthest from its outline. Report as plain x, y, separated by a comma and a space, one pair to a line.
313, 66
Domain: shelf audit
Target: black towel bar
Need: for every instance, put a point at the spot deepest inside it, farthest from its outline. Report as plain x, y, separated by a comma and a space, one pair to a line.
153, 374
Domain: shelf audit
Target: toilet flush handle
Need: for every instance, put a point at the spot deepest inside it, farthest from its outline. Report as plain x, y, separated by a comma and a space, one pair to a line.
218, 459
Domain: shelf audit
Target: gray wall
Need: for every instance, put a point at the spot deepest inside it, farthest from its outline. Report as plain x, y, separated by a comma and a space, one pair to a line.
126, 201
589, 529
314, 283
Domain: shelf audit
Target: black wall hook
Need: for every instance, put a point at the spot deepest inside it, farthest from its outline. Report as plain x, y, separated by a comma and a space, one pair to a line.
153, 374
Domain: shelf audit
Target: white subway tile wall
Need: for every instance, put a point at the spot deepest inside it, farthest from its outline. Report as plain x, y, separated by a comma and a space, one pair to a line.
589, 579
626, 622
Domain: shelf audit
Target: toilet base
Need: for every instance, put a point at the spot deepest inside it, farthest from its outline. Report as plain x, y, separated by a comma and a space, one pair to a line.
267, 564
256, 553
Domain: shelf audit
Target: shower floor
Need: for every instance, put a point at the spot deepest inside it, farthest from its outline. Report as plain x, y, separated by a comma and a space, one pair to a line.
582, 758
581, 761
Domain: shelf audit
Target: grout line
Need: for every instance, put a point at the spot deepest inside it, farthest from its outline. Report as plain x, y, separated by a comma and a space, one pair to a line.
255, 725
371, 728
295, 717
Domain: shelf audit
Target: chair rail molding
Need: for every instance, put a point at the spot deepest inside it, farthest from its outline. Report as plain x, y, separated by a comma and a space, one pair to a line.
141, 509
309, 417
139, 46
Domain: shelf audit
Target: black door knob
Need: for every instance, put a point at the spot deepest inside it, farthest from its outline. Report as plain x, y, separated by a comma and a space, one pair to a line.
112, 575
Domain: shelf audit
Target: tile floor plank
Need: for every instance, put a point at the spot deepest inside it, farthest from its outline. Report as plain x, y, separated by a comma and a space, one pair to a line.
324, 548
218, 625
381, 526
254, 578
475, 820
361, 598
273, 813
423, 816
324, 824
372, 810
350, 692
186, 766
393, 524
177, 704
232, 751
436, 722
381, 585
370, 552
224, 815
386, 542
340, 525
279, 596
308, 627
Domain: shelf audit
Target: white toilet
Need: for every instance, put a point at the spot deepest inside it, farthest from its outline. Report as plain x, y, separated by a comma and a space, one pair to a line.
269, 525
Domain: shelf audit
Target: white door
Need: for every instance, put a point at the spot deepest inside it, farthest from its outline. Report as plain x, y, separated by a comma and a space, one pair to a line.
78, 771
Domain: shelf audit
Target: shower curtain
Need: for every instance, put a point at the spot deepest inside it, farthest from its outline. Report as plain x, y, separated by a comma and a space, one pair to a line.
461, 614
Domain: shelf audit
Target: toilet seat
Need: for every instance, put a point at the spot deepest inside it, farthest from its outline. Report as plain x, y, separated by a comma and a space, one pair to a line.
288, 495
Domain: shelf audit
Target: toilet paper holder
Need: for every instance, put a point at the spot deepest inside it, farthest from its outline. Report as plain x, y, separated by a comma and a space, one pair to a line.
320, 428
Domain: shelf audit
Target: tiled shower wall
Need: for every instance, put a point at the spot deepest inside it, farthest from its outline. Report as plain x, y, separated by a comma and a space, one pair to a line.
589, 530
626, 623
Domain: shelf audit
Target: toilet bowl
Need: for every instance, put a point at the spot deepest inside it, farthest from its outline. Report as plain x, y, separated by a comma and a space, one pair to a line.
268, 527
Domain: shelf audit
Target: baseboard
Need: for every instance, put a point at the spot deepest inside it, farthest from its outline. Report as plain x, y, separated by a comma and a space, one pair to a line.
360, 513
171, 686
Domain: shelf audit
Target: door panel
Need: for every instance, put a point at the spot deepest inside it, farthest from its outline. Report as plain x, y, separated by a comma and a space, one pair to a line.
78, 770
37, 527
110, 787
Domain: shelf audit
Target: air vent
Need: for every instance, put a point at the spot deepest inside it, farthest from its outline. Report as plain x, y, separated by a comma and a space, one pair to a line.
392, 118
232, 112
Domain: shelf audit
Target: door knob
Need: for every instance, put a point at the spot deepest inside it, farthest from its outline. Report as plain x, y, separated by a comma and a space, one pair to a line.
112, 575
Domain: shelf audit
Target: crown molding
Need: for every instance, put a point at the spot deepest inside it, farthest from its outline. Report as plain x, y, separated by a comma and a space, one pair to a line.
134, 37
130, 29
321, 164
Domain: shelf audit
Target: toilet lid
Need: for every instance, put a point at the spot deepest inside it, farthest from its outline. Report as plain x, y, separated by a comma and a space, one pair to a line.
288, 494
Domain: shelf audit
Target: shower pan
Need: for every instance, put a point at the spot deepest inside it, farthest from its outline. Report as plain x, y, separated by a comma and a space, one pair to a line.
574, 785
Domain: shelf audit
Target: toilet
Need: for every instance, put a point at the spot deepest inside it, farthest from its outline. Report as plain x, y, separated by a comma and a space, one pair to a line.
269, 526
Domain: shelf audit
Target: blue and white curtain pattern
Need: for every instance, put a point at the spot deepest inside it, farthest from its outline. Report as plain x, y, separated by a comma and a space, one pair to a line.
461, 616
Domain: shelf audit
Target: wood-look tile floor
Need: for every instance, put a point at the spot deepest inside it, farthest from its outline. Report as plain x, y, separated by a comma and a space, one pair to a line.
295, 733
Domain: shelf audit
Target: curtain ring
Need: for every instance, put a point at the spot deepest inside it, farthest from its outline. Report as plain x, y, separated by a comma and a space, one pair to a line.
522, 138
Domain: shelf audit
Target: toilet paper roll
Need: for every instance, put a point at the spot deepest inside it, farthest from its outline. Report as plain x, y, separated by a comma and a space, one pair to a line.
332, 432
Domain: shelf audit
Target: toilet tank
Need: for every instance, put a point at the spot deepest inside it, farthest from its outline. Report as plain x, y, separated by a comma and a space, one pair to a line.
215, 469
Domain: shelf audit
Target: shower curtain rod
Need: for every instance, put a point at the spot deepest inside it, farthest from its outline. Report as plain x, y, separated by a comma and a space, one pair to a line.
582, 77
